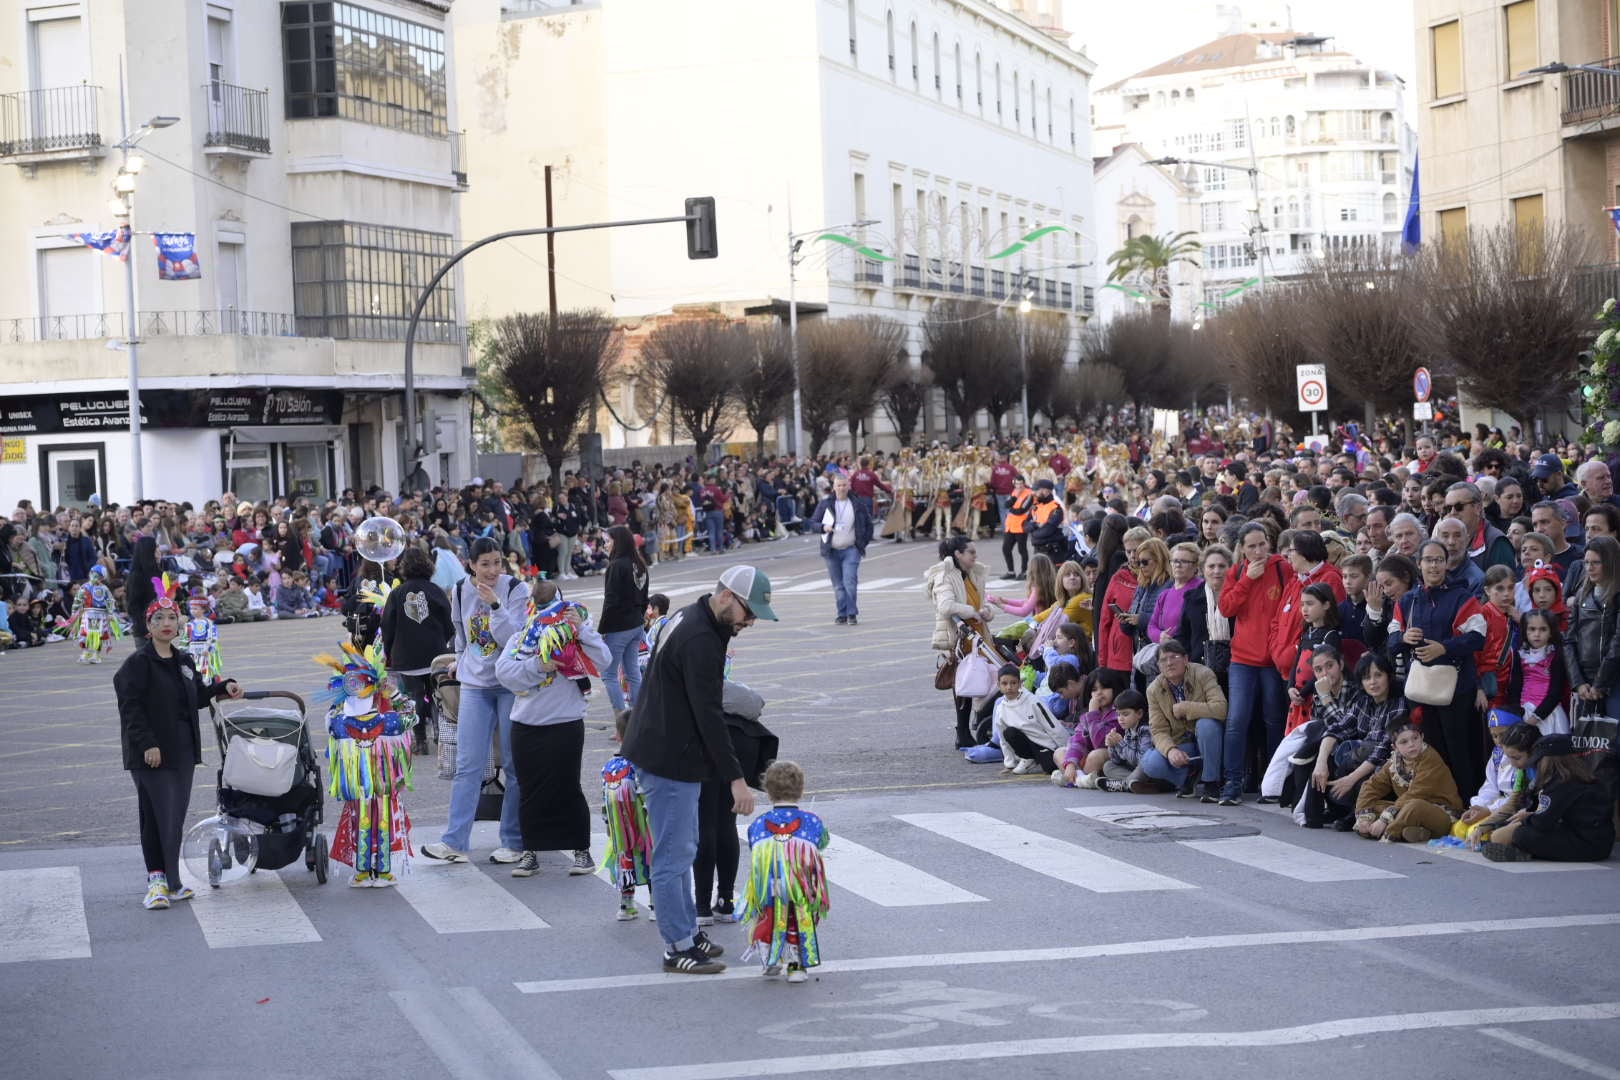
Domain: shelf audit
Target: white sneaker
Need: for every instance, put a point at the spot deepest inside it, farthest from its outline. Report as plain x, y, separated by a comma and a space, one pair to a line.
83, 659
502, 855
446, 853
1025, 766
1087, 781
797, 974
1057, 778
96, 659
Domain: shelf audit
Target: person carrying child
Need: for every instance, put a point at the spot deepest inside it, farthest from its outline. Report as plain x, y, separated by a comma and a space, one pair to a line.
1411, 799
1568, 812
787, 893
629, 838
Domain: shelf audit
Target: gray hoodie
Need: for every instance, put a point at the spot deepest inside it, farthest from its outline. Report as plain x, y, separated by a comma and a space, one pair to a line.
481, 634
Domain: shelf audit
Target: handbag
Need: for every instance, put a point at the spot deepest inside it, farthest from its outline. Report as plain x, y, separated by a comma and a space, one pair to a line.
1146, 660
490, 796
975, 677
1431, 684
554, 541
1597, 742
945, 673
259, 766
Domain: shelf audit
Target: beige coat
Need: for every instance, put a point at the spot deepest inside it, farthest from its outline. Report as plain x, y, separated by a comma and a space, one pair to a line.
1203, 690
948, 593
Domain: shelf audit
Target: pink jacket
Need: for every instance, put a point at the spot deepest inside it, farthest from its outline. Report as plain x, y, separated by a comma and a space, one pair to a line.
1089, 734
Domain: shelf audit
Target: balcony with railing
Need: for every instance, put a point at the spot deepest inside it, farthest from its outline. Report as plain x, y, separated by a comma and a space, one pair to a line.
868, 271
152, 324
1590, 95
58, 124
238, 121
911, 272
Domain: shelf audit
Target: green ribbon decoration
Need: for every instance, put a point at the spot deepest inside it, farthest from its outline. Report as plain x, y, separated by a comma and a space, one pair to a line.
851, 242
1028, 238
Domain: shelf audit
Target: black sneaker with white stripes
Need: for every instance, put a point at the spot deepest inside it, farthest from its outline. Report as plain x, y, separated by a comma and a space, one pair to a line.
691, 962
701, 942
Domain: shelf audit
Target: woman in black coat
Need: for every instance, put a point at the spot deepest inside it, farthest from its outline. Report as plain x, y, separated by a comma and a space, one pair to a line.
139, 591
159, 694
416, 627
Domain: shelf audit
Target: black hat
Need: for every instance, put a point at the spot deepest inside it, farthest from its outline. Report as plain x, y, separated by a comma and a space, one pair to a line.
1552, 746
1047, 484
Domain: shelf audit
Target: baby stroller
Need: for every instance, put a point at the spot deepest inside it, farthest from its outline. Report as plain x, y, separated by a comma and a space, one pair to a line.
446, 692
270, 790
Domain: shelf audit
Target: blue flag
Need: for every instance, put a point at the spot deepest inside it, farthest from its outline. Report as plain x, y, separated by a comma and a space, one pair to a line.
114, 242
177, 256
1614, 216
1412, 231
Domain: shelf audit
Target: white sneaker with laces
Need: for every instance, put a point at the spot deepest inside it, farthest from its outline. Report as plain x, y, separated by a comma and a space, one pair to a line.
1026, 765
501, 855
446, 853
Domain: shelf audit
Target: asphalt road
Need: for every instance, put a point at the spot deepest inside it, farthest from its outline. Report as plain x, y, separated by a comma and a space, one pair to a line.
981, 926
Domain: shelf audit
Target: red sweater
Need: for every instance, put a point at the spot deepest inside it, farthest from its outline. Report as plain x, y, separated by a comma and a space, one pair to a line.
1251, 604
1289, 622
1114, 646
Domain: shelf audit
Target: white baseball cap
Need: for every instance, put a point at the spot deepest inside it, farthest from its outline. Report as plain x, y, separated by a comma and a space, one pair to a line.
753, 586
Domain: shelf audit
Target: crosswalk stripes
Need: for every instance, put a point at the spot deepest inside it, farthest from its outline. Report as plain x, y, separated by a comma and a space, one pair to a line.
1256, 852
874, 876
1035, 851
462, 899
255, 910
47, 919
826, 583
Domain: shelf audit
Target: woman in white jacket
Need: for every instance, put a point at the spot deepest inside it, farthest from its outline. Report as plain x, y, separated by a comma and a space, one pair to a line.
955, 585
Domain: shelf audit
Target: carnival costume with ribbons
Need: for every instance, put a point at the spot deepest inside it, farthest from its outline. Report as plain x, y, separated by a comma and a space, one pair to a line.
93, 620
368, 751
202, 638
629, 837
548, 637
787, 885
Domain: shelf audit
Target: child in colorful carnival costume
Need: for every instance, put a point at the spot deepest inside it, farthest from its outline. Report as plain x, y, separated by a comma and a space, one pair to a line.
93, 614
551, 639
787, 881
368, 751
1505, 778
629, 838
201, 637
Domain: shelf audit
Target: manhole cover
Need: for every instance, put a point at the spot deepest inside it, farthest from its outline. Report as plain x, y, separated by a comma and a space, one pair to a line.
1158, 824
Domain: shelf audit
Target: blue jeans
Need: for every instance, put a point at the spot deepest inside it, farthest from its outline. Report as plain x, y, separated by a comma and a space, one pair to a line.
1252, 687
844, 568
482, 708
672, 811
787, 510
623, 647
715, 523
1207, 734
1001, 507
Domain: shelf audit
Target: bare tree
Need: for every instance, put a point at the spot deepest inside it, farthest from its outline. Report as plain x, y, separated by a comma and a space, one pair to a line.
1000, 370
1046, 346
1082, 393
1368, 325
697, 362
1259, 342
1510, 315
552, 372
877, 351
825, 362
765, 383
956, 342
1141, 346
904, 399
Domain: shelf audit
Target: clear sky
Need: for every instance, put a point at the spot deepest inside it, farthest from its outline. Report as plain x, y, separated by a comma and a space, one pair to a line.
1124, 38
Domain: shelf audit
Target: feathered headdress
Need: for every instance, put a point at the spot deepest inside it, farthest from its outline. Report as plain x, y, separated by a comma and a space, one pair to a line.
357, 674
166, 589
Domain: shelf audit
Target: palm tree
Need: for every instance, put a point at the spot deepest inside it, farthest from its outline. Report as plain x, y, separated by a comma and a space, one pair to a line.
1147, 261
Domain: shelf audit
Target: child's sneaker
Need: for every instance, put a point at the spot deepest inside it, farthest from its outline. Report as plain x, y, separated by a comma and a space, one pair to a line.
361, 881
1088, 781
184, 892
383, 881
1058, 780
725, 911
627, 909
1026, 765
771, 971
157, 894
796, 974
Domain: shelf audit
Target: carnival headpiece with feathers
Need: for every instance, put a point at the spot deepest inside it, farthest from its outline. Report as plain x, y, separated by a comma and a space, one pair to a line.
357, 674
166, 589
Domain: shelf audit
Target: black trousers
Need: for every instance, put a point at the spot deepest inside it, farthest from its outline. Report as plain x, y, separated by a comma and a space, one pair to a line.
416, 686
1020, 541
718, 845
1458, 732
1025, 747
552, 811
1563, 846
964, 720
163, 795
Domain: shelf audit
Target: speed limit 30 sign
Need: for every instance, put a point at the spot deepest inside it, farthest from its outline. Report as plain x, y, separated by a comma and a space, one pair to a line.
1311, 382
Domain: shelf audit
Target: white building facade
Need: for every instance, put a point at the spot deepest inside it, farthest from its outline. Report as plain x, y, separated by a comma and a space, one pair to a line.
1324, 133
1137, 198
953, 125
313, 156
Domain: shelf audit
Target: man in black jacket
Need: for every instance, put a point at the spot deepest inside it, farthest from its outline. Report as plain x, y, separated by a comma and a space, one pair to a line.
677, 739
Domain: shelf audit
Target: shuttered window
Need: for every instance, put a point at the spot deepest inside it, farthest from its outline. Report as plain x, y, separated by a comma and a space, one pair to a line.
1522, 54
1454, 225
1445, 47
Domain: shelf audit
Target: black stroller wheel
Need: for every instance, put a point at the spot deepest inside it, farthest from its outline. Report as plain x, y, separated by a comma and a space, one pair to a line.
216, 863
321, 861
309, 856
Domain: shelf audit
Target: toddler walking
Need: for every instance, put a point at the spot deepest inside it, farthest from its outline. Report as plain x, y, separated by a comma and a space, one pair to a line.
787, 881
629, 838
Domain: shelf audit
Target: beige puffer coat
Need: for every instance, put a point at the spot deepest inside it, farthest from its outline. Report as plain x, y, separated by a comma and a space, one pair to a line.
948, 593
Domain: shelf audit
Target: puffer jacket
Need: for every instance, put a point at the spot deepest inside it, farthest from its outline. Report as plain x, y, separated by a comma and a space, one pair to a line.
948, 592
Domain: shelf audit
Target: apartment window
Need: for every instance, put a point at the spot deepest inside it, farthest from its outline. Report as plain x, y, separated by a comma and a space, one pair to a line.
1213, 217
978, 81
1453, 225
230, 264
888, 33
1240, 133
915, 60
1392, 209
1445, 53
359, 281
1018, 106
897, 206
1214, 179
1073, 145
1191, 95
939, 82
1522, 54
958, 75
1527, 216
850, 7
998, 90
347, 61
1347, 213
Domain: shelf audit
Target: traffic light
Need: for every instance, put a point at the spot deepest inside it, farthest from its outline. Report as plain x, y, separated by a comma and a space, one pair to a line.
701, 241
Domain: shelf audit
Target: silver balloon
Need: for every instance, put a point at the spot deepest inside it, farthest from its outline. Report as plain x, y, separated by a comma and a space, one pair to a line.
379, 539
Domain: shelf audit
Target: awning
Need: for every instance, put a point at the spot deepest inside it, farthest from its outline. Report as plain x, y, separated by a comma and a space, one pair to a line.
290, 433
779, 308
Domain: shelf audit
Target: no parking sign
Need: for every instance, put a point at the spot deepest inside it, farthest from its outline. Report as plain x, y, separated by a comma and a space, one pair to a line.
1311, 382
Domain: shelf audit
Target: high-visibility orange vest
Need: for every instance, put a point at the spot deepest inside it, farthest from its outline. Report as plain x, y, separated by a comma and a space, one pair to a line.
1018, 510
1043, 511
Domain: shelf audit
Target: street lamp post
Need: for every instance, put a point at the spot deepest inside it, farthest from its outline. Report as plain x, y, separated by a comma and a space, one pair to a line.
1258, 232
796, 242
123, 206
1554, 67
1024, 306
